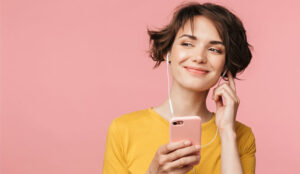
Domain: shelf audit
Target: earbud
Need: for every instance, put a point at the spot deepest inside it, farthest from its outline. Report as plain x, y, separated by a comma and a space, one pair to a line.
168, 58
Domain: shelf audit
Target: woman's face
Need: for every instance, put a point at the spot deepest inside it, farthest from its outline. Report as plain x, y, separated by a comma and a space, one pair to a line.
203, 50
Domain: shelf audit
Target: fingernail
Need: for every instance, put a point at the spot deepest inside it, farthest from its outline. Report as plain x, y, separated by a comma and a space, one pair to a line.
187, 142
198, 147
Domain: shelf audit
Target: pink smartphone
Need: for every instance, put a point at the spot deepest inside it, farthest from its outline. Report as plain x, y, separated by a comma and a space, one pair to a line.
185, 128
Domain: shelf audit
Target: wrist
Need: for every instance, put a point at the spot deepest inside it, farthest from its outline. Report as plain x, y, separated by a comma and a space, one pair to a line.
228, 134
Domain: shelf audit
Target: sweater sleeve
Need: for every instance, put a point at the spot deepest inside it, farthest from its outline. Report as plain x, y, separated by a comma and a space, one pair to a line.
248, 159
114, 160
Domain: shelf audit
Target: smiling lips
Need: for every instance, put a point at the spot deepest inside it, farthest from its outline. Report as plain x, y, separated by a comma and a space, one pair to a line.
197, 71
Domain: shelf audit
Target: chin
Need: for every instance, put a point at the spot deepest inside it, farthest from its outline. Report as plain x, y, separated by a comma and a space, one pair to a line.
199, 86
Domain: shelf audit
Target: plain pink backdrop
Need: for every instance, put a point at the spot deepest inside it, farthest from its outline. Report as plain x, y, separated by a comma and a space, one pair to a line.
68, 68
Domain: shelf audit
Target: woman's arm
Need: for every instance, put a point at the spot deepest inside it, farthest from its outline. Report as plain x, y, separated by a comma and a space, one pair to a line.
114, 159
225, 121
230, 159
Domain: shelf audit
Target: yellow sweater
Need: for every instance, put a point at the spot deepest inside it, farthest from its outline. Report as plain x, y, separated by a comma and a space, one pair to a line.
134, 138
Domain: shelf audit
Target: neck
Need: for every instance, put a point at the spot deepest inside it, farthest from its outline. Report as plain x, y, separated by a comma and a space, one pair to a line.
187, 102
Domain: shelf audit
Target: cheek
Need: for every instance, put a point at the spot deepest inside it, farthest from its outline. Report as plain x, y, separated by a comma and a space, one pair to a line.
218, 63
179, 56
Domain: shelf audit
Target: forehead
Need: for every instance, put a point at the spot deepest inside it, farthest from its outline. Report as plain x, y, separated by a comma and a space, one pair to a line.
202, 27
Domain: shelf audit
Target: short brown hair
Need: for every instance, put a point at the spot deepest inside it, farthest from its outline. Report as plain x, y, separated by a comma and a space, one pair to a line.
229, 27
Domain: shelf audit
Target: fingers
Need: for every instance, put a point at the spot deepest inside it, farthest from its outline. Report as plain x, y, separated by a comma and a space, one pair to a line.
179, 156
183, 152
185, 169
174, 146
224, 87
226, 94
225, 90
183, 162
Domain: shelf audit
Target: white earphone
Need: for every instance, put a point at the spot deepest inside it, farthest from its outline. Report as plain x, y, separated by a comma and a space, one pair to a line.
222, 76
170, 103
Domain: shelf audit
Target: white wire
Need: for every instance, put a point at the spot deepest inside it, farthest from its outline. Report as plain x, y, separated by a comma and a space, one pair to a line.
171, 107
170, 103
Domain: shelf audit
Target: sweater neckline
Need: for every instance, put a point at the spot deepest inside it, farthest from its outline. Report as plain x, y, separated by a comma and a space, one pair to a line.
210, 123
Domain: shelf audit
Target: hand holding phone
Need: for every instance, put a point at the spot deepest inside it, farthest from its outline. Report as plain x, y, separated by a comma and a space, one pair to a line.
178, 157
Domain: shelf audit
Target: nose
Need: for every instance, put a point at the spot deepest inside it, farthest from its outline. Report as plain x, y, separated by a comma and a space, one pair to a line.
200, 55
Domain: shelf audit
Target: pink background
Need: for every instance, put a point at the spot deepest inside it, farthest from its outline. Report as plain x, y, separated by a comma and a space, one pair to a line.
69, 67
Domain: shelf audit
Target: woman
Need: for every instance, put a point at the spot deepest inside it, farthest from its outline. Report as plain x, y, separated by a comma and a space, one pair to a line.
202, 42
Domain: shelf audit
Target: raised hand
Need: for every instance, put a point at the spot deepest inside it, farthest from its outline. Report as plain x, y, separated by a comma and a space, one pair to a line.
226, 110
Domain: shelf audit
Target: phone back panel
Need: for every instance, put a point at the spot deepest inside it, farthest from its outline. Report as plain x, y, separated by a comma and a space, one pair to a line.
190, 129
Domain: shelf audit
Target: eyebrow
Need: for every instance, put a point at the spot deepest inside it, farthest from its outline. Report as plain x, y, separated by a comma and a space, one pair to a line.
213, 42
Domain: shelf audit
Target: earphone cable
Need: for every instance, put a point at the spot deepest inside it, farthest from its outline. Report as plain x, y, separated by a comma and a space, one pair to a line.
171, 107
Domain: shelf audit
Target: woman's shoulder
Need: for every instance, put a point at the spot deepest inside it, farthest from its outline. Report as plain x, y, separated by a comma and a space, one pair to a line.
242, 129
132, 118
133, 115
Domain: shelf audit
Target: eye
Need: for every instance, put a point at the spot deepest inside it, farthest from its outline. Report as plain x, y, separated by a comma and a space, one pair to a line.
216, 50
186, 44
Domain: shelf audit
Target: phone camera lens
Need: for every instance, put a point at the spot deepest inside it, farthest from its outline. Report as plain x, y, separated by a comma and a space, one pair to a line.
174, 123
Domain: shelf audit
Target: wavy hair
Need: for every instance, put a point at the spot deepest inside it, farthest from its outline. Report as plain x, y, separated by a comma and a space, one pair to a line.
228, 25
